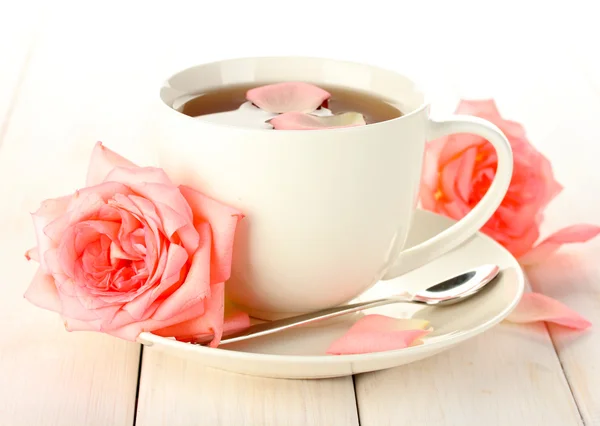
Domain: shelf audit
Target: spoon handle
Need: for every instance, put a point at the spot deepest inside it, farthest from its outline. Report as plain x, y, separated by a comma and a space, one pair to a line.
286, 323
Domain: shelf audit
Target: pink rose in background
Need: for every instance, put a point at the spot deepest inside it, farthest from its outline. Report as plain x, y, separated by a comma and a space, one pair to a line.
133, 252
459, 169
457, 172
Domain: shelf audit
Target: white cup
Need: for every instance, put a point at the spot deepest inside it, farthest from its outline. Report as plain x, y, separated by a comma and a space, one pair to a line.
327, 211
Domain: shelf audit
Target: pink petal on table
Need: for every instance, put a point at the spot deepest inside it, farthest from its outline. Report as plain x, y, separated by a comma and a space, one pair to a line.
572, 234
102, 161
300, 121
287, 97
535, 307
378, 333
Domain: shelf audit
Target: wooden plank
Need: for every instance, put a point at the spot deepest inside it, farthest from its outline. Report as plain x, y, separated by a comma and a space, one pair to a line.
180, 392
91, 78
573, 274
101, 93
573, 277
512, 375
49, 376
508, 375
18, 30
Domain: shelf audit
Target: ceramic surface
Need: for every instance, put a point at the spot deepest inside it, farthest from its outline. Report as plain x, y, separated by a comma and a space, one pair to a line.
300, 353
328, 211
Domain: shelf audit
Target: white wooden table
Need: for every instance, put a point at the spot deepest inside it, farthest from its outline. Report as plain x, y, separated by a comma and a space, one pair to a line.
74, 73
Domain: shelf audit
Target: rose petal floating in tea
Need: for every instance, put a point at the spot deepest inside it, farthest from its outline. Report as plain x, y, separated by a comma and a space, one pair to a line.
287, 97
300, 121
378, 333
247, 115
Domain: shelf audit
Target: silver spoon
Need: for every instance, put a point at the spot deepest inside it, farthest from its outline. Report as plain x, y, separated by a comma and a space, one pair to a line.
452, 290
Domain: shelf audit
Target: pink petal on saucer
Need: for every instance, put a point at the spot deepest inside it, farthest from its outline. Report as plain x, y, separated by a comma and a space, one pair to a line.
300, 121
288, 96
378, 333
579, 233
535, 307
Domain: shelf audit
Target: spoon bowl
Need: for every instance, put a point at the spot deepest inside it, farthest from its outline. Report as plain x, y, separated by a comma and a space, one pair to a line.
458, 288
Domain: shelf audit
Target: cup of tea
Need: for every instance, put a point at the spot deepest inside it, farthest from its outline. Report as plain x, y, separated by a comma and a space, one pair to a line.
327, 212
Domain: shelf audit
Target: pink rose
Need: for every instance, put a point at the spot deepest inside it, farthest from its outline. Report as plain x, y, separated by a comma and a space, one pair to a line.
459, 169
132, 252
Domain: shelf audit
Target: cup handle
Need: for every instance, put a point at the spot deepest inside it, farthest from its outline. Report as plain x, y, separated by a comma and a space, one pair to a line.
468, 226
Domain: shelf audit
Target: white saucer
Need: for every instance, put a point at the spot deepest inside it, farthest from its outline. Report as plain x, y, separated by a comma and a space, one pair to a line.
300, 353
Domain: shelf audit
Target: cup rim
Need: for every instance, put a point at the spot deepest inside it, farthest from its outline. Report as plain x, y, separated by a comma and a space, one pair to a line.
415, 111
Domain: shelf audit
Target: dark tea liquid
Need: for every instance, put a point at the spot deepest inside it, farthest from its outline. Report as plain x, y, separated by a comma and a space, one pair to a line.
373, 108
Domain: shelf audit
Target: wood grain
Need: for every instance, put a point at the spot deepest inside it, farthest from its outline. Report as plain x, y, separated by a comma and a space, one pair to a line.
92, 73
48, 376
572, 277
19, 22
567, 135
509, 375
573, 274
178, 392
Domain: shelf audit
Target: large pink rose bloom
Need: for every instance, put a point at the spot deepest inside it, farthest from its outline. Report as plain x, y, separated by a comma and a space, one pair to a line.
133, 252
459, 169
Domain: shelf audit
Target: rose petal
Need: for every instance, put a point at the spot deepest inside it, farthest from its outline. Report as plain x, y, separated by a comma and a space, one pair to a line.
447, 180
195, 330
138, 175
301, 121
33, 254
83, 205
457, 144
133, 328
223, 221
42, 292
553, 188
211, 323
173, 210
430, 162
512, 129
535, 307
516, 246
77, 303
287, 97
572, 234
200, 330
102, 161
484, 108
206, 317
48, 212
465, 177
197, 282
378, 333
176, 259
